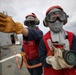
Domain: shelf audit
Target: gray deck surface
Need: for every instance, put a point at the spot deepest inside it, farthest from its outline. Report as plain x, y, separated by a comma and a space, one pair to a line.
9, 67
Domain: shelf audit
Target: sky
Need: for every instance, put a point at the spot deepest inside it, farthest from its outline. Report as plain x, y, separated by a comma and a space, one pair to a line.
18, 9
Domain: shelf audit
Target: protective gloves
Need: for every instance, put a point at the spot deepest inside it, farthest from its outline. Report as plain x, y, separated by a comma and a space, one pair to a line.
7, 25
59, 55
53, 61
57, 61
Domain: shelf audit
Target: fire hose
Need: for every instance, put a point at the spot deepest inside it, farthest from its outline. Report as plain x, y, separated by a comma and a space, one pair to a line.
23, 56
60, 58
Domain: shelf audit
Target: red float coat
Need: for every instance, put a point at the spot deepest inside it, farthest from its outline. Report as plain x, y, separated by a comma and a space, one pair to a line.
50, 70
31, 48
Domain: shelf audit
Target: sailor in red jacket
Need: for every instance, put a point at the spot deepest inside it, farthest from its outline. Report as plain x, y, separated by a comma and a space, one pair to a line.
30, 47
54, 41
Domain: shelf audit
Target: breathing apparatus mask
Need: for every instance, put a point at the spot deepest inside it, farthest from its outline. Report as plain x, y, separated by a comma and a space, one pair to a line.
31, 20
55, 20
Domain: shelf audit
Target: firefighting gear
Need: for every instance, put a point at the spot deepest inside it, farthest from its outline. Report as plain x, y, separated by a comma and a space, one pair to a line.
65, 68
53, 61
56, 27
69, 57
31, 20
57, 61
23, 54
31, 66
56, 6
23, 59
59, 55
19, 64
31, 24
55, 13
8, 25
31, 49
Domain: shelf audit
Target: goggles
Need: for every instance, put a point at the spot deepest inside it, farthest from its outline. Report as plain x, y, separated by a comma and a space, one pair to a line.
30, 23
57, 15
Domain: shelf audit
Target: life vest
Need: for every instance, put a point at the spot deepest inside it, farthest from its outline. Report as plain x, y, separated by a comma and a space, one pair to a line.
49, 70
31, 48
